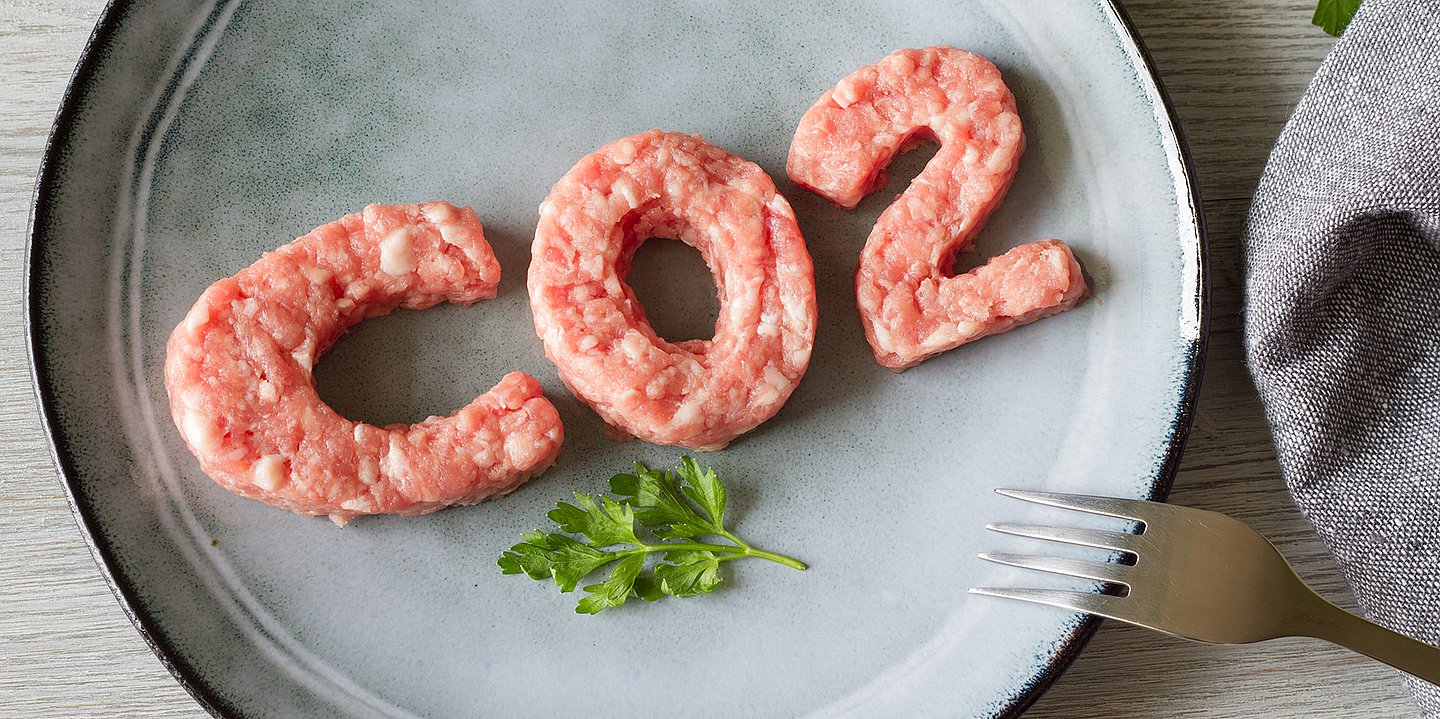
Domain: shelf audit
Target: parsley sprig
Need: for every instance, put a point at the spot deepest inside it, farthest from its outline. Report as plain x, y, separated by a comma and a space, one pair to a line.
676, 514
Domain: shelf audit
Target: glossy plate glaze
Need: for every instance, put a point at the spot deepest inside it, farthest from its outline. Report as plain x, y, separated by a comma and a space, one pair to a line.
196, 136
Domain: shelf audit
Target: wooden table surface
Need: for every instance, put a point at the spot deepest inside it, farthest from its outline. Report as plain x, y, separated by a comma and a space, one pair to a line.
1234, 69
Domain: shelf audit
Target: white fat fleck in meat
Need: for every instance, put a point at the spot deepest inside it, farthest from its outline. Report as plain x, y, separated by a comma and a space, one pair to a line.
675, 187
304, 356
656, 388
198, 315
634, 345
316, 275
518, 445
439, 214
393, 463
397, 253
775, 378
779, 207
484, 455
367, 471
1058, 260
687, 414
766, 394
624, 153
355, 504
904, 64
920, 209
626, 188
796, 316
455, 235
939, 337
882, 335
445, 265
269, 472
593, 266
1001, 159
266, 391
200, 431
847, 92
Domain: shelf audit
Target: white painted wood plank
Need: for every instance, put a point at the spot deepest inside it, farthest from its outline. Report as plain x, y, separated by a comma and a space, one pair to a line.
66, 649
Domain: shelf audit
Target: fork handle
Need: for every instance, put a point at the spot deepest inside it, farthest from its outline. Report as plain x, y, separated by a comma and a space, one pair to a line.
1337, 626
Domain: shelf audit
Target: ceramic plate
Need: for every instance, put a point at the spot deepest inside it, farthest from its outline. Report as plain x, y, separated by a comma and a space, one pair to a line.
196, 136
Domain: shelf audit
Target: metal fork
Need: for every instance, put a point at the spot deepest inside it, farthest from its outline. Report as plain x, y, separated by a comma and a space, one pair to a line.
1197, 575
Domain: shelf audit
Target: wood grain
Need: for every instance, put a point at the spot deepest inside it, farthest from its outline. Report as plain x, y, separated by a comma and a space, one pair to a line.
66, 649
1233, 68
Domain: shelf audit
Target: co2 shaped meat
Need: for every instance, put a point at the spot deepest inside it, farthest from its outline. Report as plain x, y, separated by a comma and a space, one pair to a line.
699, 394
238, 370
910, 304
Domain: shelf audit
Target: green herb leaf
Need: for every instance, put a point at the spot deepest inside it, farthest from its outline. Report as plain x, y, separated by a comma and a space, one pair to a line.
1335, 15
648, 588
678, 515
704, 489
613, 591
543, 556
606, 523
658, 504
689, 573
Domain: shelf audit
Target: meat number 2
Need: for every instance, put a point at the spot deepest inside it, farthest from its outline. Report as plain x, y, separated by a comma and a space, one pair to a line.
910, 305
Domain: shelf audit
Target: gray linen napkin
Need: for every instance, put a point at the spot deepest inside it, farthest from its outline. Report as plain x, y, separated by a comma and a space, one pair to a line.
1343, 311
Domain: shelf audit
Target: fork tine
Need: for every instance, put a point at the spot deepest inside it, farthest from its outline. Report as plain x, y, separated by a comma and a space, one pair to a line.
1101, 571
1098, 538
1132, 509
1104, 605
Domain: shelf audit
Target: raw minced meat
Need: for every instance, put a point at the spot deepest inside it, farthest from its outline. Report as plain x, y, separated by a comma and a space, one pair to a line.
910, 305
699, 394
238, 370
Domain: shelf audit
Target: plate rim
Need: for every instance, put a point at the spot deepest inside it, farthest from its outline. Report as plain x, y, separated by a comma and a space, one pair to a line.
1195, 357
103, 554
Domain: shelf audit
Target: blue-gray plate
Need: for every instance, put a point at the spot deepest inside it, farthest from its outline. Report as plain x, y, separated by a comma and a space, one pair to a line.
197, 135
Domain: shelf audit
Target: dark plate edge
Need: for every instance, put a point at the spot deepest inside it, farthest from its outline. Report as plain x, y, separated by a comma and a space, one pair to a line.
1185, 417
100, 550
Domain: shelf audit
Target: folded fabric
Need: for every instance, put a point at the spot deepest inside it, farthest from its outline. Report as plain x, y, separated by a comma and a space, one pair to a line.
1343, 312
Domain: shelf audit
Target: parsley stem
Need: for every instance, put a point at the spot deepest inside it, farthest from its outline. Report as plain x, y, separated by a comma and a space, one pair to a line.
741, 550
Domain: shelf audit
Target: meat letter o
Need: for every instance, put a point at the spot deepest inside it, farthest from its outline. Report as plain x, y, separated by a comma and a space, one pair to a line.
699, 394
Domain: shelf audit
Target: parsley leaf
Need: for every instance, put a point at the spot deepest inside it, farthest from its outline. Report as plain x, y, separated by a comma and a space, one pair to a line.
658, 504
704, 488
542, 556
1335, 15
613, 591
606, 523
678, 507
689, 573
